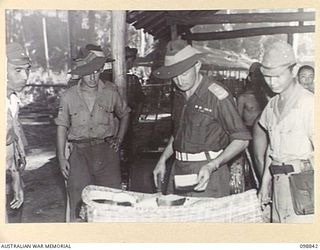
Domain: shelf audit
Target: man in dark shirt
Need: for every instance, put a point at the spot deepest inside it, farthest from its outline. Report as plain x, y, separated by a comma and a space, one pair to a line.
87, 119
208, 131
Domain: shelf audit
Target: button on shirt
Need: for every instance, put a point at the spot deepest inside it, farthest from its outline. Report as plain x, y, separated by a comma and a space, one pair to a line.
291, 132
204, 122
98, 124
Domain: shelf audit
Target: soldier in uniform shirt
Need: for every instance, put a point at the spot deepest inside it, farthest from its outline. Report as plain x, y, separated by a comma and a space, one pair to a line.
94, 119
208, 131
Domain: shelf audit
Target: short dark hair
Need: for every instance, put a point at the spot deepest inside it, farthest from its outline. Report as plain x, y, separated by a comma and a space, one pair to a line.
307, 67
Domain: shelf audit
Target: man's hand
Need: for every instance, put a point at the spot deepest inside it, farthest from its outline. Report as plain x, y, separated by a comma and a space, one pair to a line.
264, 196
159, 172
11, 136
204, 175
64, 168
115, 143
18, 196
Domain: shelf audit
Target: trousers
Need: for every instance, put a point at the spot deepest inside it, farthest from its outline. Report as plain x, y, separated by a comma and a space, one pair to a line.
93, 165
282, 207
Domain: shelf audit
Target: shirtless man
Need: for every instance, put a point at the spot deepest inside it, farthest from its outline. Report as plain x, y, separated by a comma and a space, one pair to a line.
251, 102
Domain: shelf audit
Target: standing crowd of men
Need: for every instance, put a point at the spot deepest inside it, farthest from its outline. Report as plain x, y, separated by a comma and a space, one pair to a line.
209, 128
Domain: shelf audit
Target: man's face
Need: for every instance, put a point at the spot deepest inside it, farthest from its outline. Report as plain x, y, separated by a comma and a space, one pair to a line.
280, 83
187, 80
306, 77
92, 80
129, 62
17, 76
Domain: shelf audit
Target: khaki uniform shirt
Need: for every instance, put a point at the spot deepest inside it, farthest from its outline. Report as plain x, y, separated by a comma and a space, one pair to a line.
290, 132
98, 124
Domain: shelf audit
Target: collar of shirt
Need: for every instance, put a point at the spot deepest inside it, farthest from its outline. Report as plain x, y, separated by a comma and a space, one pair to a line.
13, 103
292, 102
101, 86
202, 89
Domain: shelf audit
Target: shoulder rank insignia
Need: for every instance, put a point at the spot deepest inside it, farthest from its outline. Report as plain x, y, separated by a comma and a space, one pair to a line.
218, 91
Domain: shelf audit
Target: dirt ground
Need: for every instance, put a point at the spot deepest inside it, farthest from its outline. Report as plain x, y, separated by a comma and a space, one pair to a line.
44, 194
44, 185
45, 197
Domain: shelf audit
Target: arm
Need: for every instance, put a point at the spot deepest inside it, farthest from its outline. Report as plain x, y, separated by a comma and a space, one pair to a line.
160, 168
122, 111
240, 105
123, 126
233, 149
264, 193
61, 144
260, 144
262, 160
19, 145
17, 186
63, 123
239, 136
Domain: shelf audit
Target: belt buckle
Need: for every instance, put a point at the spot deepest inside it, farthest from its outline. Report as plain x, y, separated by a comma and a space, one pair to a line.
179, 155
183, 156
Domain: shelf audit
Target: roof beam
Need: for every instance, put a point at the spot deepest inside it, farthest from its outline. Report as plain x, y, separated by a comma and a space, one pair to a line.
249, 32
149, 20
244, 18
158, 23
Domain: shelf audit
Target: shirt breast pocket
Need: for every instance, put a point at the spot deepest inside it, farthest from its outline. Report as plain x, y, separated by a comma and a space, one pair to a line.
77, 115
199, 127
202, 119
293, 134
294, 140
104, 114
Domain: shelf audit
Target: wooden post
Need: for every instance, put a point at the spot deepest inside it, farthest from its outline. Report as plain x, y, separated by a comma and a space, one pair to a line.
174, 32
45, 41
118, 34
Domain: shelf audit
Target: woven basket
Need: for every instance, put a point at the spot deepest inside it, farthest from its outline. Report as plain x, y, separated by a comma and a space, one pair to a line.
240, 208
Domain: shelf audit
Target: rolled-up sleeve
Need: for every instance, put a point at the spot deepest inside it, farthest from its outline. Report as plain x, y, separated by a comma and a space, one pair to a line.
63, 118
121, 107
231, 120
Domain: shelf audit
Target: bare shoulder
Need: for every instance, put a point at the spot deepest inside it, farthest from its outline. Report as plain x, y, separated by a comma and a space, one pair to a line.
306, 98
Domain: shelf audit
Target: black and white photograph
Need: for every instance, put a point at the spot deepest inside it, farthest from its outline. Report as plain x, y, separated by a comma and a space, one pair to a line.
160, 115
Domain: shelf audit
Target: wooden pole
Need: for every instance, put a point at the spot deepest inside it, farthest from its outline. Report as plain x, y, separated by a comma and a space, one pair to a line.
69, 41
174, 32
45, 41
118, 34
